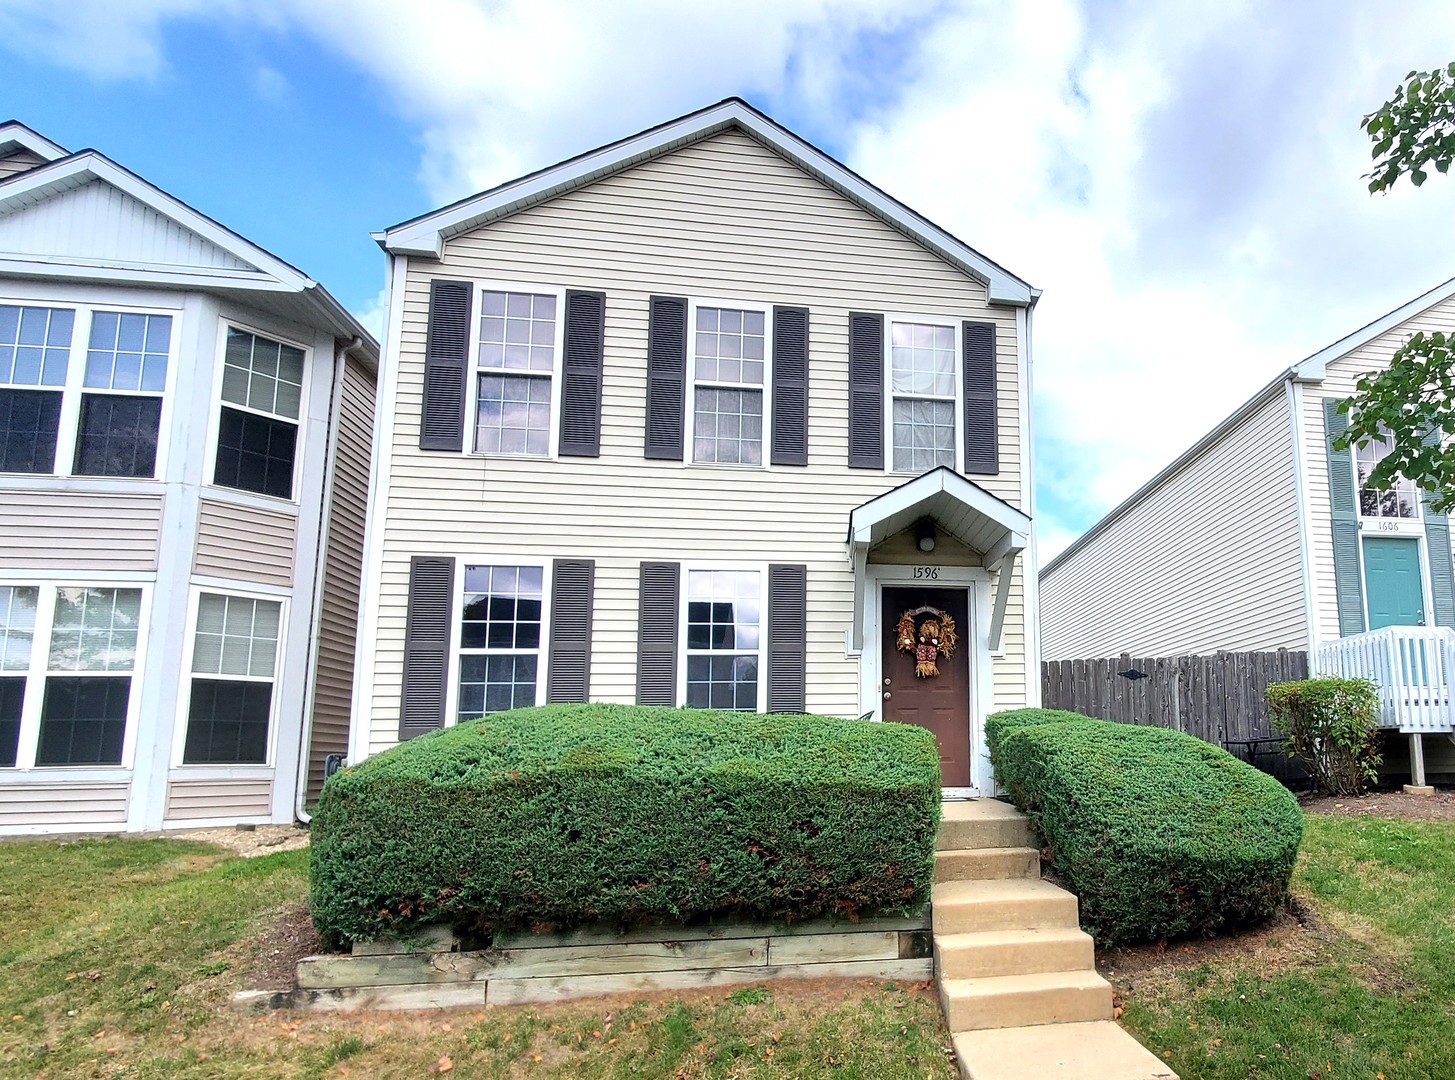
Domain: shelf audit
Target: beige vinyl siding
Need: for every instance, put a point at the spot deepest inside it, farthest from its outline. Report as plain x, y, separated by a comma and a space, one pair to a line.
1208, 560
342, 573
245, 543
194, 800
724, 219
1339, 379
79, 530
18, 161
68, 805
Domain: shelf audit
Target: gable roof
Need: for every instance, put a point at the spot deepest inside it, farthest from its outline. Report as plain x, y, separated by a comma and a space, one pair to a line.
16, 136
1312, 368
248, 268
426, 235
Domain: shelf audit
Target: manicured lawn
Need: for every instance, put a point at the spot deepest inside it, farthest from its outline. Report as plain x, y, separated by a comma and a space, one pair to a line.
117, 958
1365, 987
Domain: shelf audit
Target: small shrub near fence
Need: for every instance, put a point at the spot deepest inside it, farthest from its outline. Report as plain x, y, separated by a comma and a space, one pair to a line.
1331, 725
572, 814
1160, 834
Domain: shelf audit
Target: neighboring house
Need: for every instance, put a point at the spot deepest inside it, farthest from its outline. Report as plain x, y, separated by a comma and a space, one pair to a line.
1263, 535
185, 423
695, 418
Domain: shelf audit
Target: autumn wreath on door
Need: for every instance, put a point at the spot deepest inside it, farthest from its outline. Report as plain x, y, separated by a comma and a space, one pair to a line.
928, 634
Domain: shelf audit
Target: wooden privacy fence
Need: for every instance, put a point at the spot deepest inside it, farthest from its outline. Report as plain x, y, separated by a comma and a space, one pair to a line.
1219, 698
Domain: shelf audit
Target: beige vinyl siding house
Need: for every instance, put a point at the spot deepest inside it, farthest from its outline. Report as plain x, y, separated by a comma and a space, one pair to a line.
171, 499
743, 221
1233, 546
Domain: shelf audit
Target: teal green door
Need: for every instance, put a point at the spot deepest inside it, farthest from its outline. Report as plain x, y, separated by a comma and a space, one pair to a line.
1393, 586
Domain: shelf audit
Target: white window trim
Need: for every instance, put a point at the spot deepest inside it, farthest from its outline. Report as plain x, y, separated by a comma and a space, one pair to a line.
473, 372
71, 390
457, 612
218, 403
890, 318
689, 419
1418, 519
761, 569
186, 675
40, 670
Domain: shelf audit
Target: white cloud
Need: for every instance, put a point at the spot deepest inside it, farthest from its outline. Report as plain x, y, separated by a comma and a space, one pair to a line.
1182, 180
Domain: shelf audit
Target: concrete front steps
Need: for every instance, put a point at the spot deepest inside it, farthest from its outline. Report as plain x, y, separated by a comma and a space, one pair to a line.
1017, 975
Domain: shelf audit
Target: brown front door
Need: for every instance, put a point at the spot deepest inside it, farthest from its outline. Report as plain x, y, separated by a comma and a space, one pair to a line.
938, 702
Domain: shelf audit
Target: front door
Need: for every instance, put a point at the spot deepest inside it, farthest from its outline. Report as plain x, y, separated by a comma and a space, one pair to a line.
1393, 585
921, 685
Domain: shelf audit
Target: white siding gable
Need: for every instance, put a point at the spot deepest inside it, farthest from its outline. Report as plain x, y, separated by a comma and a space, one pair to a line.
97, 222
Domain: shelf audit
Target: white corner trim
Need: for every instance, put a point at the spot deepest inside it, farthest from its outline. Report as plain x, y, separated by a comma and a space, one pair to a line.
425, 236
1295, 399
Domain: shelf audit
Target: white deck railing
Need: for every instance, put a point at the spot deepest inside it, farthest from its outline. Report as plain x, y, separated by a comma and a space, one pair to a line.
1413, 667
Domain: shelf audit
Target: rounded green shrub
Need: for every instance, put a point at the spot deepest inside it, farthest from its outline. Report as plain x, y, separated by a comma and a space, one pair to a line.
573, 814
1331, 726
1160, 834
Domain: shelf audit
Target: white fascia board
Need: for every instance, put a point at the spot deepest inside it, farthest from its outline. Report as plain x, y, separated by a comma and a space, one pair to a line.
14, 133
1314, 367
425, 236
862, 519
151, 273
93, 165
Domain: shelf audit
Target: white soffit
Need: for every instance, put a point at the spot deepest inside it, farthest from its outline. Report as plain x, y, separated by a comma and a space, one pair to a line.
425, 236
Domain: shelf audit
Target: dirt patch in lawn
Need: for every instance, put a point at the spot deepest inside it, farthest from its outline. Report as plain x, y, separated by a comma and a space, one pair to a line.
1388, 804
249, 843
274, 954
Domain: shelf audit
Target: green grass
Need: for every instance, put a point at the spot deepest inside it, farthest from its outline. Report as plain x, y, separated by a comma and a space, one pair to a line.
117, 958
1367, 991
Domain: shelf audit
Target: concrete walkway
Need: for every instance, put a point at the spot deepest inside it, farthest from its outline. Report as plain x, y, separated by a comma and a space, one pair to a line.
1017, 975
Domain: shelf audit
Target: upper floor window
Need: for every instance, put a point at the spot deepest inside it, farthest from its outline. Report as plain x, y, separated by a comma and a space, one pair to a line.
515, 373
257, 433
729, 346
1400, 501
97, 418
922, 395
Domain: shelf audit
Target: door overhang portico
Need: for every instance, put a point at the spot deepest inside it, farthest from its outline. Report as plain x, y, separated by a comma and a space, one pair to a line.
956, 506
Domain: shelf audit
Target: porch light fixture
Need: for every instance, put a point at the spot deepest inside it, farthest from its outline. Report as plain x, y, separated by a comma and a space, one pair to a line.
924, 534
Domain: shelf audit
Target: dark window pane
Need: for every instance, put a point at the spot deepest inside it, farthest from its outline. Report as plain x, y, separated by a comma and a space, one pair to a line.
12, 696
227, 723
117, 436
83, 720
255, 453
501, 636
29, 420
528, 635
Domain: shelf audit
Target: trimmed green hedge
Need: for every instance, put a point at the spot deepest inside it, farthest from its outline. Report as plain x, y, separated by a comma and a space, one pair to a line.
1160, 834
572, 814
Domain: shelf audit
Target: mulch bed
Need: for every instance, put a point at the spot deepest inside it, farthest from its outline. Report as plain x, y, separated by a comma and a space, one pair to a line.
286, 941
1388, 804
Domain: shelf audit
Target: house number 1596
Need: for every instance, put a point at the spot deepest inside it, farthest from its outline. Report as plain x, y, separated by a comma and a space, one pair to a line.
930, 573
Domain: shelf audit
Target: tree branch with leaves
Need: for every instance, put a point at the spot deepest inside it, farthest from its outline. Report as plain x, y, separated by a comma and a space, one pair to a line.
1414, 397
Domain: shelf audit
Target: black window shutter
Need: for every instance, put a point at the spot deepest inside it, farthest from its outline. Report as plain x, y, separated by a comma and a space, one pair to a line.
787, 638
666, 376
1344, 514
581, 374
982, 441
790, 386
426, 645
442, 419
866, 391
657, 629
572, 584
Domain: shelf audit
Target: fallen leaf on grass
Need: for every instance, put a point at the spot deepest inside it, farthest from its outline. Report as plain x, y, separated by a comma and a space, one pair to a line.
443, 1065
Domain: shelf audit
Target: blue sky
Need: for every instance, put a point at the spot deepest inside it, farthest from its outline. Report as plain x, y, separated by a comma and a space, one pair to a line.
1184, 181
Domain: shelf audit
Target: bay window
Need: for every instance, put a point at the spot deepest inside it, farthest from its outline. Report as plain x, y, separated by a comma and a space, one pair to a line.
262, 399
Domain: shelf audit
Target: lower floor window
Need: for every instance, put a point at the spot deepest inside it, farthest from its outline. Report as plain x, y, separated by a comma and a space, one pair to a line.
234, 665
500, 639
12, 700
83, 720
724, 638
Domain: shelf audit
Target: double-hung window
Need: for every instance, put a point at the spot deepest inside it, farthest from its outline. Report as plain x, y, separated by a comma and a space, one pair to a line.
500, 639
97, 416
234, 665
516, 372
17, 643
922, 395
262, 398
724, 639
92, 656
1402, 500
728, 376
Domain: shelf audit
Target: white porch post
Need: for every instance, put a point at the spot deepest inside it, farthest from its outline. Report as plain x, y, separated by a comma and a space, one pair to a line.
1417, 766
